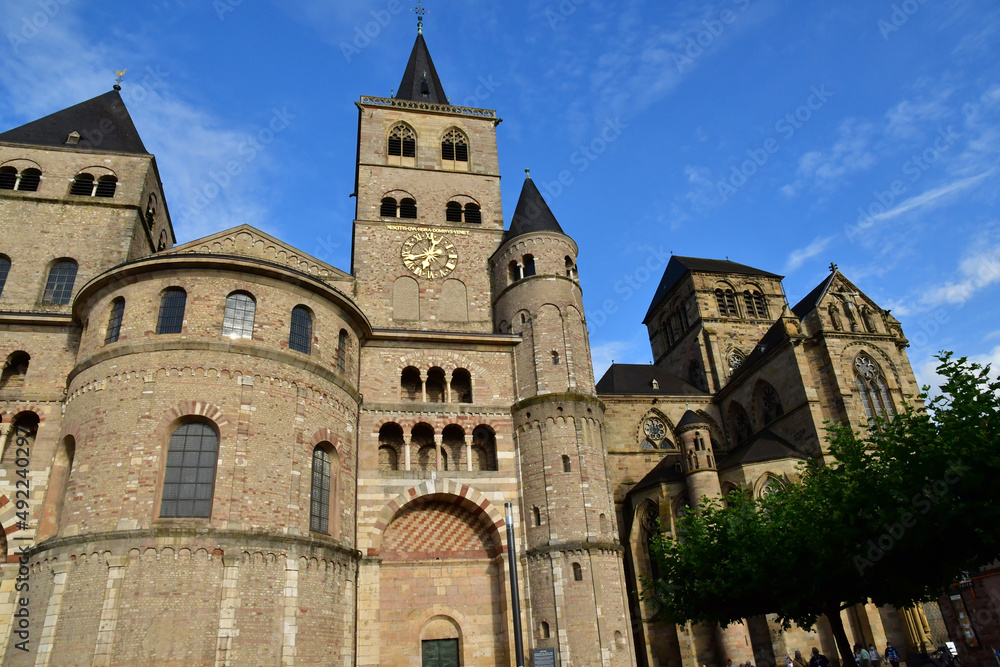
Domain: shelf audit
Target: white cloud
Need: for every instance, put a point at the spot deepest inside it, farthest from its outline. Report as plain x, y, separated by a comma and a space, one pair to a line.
603, 354
979, 270
800, 256
850, 152
929, 197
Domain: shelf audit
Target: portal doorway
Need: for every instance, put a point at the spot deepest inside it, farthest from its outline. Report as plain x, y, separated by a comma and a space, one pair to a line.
439, 653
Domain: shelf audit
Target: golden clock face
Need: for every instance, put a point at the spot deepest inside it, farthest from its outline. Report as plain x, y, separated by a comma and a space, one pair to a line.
429, 255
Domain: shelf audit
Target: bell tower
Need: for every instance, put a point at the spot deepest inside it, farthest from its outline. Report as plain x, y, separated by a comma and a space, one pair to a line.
428, 206
574, 559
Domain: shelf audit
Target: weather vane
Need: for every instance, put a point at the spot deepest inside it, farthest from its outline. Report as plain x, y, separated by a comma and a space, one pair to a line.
833, 267
420, 12
120, 77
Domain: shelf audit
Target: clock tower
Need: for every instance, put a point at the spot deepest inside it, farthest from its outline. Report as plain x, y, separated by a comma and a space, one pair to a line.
428, 206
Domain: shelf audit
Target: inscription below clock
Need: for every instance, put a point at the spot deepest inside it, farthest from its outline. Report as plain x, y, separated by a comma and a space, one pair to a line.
429, 255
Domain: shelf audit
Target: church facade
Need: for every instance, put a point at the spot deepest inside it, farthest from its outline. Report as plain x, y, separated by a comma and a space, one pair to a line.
228, 452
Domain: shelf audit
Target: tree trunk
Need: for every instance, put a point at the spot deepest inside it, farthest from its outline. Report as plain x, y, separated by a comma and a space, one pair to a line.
832, 612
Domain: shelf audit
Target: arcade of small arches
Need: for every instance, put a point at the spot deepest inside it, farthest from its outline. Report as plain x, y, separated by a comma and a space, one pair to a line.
750, 303
437, 386
84, 184
525, 268
424, 450
401, 147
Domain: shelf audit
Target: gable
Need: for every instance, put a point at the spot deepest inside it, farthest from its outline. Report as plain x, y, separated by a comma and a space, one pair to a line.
246, 241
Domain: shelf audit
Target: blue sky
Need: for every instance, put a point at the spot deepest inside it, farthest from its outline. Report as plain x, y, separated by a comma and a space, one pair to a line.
771, 132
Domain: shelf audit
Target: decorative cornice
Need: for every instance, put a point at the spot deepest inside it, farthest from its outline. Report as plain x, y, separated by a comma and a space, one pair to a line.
411, 105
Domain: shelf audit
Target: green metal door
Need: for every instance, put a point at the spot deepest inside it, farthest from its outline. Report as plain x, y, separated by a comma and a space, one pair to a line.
440, 653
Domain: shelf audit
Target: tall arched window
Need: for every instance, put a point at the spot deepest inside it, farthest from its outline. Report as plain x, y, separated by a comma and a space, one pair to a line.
390, 445
872, 388
189, 478
435, 386
411, 385
342, 351
770, 403
455, 150
484, 448
59, 287
8, 180
755, 304
4, 270
319, 506
513, 271
300, 332
740, 422
408, 208
387, 209
14, 370
473, 214
529, 265
115, 321
461, 386
570, 268
577, 572
171, 318
106, 186
240, 311
726, 300
453, 212
567, 465
83, 185
402, 145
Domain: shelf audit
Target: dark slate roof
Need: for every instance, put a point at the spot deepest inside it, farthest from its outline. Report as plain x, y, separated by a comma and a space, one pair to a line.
638, 379
678, 266
690, 417
811, 300
420, 80
765, 446
532, 214
92, 120
664, 471
770, 340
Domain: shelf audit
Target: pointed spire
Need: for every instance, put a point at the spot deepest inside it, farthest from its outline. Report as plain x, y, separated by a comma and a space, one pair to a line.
420, 80
532, 213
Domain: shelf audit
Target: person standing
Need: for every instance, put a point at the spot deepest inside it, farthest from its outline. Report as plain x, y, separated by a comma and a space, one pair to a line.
875, 656
892, 655
818, 659
861, 656
798, 660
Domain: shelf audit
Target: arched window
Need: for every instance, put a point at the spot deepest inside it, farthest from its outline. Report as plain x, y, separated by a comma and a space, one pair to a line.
342, 341
537, 514
59, 287
484, 448
240, 311
410, 384
736, 359
726, 300
402, 145
162, 243
106, 186
300, 332
435, 385
115, 321
872, 388
770, 403
577, 572
740, 422
189, 478
461, 386
83, 185
529, 266
570, 268
513, 271
453, 445
543, 630
422, 440
408, 208
14, 370
390, 444
455, 150
605, 526
656, 434
171, 318
150, 217
473, 214
567, 466
27, 181
555, 358
4, 270
322, 493
387, 208
453, 212
755, 303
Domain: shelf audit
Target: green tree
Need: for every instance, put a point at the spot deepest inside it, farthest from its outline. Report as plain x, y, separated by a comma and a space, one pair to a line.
894, 515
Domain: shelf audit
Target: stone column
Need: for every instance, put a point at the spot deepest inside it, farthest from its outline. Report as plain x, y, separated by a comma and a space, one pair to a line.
437, 452
109, 611
406, 451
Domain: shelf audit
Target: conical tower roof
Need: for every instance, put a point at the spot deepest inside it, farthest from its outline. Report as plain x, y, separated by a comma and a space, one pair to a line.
532, 214
103, 124
420, 80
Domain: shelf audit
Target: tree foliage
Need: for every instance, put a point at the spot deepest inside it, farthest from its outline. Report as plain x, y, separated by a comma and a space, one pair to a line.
894, 515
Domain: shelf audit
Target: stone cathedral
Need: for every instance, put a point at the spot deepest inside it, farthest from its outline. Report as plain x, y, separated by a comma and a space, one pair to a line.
227, 452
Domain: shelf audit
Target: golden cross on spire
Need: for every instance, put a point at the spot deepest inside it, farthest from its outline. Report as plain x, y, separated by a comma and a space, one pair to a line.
420, 12
120, 77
